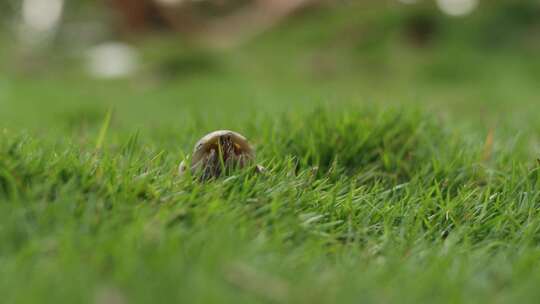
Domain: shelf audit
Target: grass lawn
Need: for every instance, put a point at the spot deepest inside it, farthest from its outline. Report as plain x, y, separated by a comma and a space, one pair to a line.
396, 173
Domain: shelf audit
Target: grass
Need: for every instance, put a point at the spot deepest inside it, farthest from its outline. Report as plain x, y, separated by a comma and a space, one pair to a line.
400, 209
394, 174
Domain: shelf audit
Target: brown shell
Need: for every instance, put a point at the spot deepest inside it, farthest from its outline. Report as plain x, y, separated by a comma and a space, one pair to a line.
210, 141
206, 143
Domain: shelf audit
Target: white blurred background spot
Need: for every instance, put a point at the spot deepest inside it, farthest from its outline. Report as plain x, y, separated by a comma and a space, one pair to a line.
42, 15
457, 8
39, 21
112, 60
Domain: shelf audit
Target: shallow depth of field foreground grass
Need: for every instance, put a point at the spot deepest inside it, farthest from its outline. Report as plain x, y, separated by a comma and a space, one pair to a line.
402, 208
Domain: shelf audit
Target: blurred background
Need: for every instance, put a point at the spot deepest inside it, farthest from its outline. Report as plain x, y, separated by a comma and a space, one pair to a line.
164, 63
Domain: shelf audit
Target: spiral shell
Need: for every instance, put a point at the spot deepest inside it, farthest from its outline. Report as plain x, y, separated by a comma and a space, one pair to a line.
217, 152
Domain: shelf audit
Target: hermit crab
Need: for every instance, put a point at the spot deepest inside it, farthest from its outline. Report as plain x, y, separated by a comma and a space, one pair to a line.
217, 153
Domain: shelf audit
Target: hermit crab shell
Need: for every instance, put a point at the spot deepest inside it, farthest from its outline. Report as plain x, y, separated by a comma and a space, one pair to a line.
210, 141
209, 145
